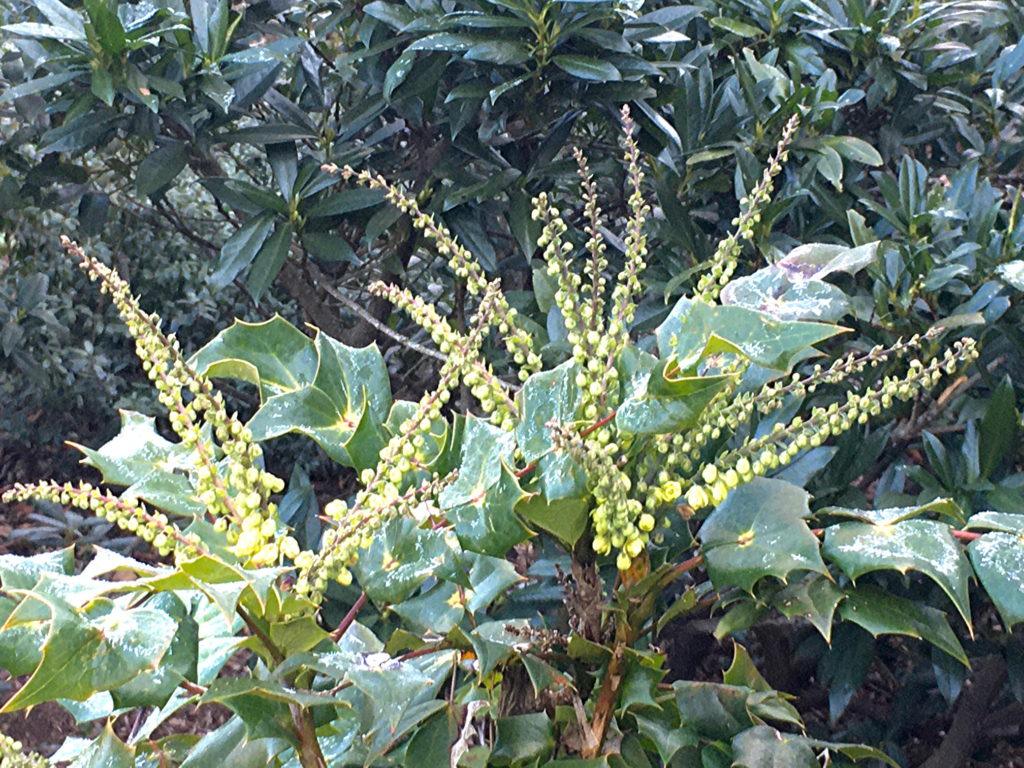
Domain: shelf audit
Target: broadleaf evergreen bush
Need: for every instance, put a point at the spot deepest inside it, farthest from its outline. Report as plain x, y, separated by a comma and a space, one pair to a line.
628, 480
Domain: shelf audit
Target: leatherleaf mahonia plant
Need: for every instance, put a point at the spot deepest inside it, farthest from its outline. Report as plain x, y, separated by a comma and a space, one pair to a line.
498, 589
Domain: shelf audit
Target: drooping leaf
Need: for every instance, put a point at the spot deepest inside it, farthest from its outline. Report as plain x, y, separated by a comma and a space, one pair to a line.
998, 559
759, 530
814, 598
883, 614
921, 545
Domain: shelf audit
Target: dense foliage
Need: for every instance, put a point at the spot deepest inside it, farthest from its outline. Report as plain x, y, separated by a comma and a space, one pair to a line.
581, 472
572, 483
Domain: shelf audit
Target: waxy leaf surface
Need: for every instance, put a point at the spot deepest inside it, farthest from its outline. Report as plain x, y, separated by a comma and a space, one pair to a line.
998, 559
694, 330
926, 546
759, 530
883, 614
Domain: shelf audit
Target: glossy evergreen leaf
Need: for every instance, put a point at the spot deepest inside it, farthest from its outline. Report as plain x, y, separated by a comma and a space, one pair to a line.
666, 403
523, 737
241, 248
852, 751
97, 649
814, 598
883, 614
160, 167
154, 688
498, 52
997, 433
545, 397
890, 515
998, 559
403, 556
588, 68
1007, 522
106, 751
337, 395
152, 466
489, 578
107, 26
713, 710
764, 747
759, 530
274, 355
920, 545
481, 500
488, 523
565, 518
743, 672
694, 330
346, 201
269, 260
436, 612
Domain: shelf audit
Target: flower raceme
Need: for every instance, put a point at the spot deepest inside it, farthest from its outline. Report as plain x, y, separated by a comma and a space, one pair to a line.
628, 436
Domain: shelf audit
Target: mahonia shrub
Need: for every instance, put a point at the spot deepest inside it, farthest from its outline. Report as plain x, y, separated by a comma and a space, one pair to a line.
628, 485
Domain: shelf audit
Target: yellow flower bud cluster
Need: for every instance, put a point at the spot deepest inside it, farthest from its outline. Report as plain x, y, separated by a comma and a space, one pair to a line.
13, 756
476, 372
518, 341
581, 306
724, 261
596, 283
384, 495
628, 288
129, 513
618, 520
759, 456
235, 492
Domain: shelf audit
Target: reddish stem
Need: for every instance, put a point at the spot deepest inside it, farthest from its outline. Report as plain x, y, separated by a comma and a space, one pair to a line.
583, 433
349, 619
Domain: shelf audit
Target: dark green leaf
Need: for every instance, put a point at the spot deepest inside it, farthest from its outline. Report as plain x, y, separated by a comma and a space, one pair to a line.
814, 598
344, 202
921, 545
998, 559
881, 613
759, 530
107, 25
160, 167
523, 737
269, 260
240, 249
588, 68
765, 747
998, 431
498, 52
